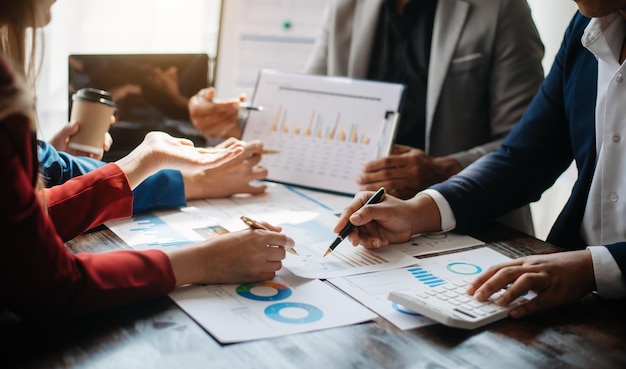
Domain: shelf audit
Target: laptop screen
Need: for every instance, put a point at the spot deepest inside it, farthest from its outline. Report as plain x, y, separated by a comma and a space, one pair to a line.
151, 92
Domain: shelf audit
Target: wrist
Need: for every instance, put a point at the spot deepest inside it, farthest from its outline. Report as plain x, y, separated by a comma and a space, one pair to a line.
136, 167
197, 185
428, 217
182, 260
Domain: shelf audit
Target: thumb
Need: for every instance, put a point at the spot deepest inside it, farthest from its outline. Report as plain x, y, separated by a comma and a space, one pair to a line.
208, 93
372, 212
69, 129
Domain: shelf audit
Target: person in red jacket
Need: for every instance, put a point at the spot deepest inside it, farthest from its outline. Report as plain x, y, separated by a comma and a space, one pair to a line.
38, 276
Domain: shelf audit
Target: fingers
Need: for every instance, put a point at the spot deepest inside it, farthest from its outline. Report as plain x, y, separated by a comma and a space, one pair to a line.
69, 129
271, 227
108, 141
400, 149
253, 147
229, 142
358, 201
494, 279
207, 93
276, 239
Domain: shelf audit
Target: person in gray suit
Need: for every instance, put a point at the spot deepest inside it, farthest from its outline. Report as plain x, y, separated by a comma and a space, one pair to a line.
470, 66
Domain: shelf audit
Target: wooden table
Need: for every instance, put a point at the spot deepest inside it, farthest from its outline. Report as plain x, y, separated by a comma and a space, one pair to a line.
157, 334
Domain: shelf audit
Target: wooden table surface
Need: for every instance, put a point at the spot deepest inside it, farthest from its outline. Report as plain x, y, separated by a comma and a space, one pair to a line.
157, 334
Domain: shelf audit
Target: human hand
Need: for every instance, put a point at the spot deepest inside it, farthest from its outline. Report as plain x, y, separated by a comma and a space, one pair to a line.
215, 119
244, 256
161, 151
160, 87
233, 177
61, 140
557, 279
390, 221
406, 172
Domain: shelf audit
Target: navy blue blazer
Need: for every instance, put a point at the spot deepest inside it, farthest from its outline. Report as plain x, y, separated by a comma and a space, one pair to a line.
165, 189
557, 127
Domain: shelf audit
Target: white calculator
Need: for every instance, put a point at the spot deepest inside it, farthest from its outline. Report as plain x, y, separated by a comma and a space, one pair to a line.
448, 304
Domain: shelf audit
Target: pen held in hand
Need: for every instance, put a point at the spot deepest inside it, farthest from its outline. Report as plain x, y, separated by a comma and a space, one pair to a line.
269, 152
242, 106
245, 106
376, 198
253, 224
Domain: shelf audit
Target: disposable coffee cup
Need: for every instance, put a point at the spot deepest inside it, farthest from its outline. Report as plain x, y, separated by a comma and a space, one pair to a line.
92, 109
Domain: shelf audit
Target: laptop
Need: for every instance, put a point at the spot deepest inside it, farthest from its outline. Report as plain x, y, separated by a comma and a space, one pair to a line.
150, 90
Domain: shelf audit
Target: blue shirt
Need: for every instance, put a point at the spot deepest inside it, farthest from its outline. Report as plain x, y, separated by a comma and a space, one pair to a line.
165, 189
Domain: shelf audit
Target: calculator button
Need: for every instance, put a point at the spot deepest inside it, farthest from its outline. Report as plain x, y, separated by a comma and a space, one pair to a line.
450, 294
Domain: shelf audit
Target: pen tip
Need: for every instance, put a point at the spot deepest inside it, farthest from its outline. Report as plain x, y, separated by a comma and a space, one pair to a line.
328, 251
293, 251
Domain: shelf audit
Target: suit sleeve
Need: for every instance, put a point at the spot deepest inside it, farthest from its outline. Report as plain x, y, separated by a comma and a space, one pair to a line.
515, 76
58, 167
165, 189
89, 200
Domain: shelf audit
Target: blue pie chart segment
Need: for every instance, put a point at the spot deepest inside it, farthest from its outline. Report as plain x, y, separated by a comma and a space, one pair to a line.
263, 291
401, 309
464, 268
294, 313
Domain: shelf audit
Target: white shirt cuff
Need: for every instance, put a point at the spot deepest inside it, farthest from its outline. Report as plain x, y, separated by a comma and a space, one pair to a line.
609, 281
448, 221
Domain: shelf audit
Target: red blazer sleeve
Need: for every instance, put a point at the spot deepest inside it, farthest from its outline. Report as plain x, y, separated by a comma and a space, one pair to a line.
89, 200
38, 276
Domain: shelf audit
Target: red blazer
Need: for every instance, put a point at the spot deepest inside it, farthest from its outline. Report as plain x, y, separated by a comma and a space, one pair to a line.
38, 276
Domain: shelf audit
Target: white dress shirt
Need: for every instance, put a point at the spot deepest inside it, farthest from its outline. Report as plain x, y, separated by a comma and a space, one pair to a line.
604, 218
603, 221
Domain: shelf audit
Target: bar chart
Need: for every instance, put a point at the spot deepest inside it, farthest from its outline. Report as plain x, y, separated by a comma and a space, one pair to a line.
325, 128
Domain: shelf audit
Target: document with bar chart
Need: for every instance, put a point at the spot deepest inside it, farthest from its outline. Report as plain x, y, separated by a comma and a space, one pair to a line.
324, 128
372, 289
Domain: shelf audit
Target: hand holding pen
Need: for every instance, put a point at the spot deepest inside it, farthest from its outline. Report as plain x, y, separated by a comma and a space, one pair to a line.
391, 220
253, 224
349, 227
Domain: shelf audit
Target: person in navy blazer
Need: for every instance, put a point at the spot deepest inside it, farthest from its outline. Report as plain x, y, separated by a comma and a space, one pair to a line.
578, 114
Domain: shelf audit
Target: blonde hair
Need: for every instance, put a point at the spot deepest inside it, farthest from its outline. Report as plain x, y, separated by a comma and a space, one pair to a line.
18, 40
19, 97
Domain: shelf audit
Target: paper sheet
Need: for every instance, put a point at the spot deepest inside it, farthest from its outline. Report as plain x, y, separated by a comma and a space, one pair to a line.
285, 305
255, 34
312, 231
432, 243
306, 221
372, 289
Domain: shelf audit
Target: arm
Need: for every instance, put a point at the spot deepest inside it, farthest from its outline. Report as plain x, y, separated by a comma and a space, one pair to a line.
89, 200
38, 275
165, 189
318, 60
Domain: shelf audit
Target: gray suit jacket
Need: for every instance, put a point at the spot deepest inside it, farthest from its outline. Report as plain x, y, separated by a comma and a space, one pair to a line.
485, 67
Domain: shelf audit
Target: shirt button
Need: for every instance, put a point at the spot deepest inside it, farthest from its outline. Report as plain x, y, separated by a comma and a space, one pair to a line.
617, 138
619, 78
614, 197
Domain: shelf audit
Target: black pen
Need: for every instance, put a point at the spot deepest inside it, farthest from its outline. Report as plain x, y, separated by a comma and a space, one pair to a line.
253, 224
376, 198
242, 105
246, 106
